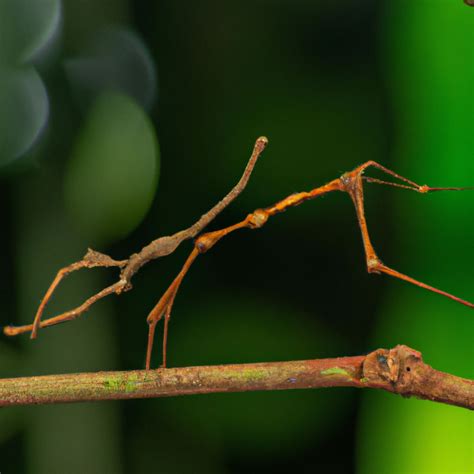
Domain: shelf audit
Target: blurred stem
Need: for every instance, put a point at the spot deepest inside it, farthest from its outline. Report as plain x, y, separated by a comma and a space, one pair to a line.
399, 370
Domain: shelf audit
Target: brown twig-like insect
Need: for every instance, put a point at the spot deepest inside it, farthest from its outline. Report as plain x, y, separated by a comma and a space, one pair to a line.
350, 182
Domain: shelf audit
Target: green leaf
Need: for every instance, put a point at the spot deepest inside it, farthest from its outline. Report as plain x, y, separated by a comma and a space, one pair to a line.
113, 171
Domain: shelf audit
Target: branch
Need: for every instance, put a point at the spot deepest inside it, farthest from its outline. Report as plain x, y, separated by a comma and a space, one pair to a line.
399, 370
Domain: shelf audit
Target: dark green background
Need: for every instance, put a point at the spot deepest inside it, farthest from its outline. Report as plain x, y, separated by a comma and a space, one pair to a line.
332, 84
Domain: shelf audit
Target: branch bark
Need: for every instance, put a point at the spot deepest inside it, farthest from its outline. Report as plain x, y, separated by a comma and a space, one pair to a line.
400, 370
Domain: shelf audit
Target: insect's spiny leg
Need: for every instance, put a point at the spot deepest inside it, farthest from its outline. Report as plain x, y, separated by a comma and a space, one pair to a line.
412, 185
62, 273
165, 332
354, 187
388, 183
421, 189
374, 164
429, 189
390, 271
164, 306
149, 347
91, 259
68, 315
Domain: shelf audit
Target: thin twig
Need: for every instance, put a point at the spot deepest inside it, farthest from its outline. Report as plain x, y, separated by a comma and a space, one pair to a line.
400, 370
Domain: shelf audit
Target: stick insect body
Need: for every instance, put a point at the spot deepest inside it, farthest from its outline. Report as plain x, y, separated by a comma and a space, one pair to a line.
350, 183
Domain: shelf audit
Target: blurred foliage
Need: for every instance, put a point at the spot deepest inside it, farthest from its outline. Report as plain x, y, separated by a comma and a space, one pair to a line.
27, 28
24, 110
332, 84
112, 175
434, 105
26, 32
117, 59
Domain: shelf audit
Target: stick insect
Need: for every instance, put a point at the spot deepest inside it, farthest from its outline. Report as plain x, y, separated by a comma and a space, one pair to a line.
351, 183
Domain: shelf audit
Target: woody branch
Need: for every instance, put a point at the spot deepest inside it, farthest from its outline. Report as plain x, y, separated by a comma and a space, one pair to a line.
400, 370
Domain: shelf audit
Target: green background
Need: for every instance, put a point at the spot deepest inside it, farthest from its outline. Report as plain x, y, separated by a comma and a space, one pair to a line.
121, 121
